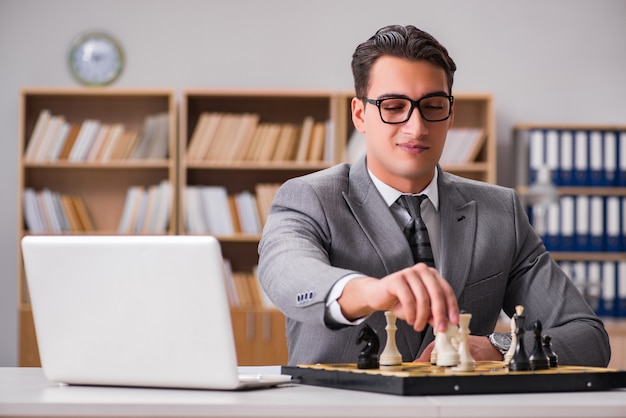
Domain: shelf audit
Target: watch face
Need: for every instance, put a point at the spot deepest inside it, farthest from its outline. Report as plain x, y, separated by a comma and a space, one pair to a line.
96, 59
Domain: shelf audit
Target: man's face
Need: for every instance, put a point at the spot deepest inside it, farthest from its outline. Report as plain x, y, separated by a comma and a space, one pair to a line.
404, 155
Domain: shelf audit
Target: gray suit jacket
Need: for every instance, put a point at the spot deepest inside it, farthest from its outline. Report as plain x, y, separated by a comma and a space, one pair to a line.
334, 222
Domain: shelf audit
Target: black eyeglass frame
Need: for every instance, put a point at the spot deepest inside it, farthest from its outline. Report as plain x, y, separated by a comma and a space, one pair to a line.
414, 104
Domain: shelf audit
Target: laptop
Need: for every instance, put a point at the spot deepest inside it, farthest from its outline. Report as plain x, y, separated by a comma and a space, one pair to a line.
147, 311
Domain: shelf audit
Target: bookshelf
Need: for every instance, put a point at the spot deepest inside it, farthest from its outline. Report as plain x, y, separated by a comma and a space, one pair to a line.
585, 231
238, 165
101, 184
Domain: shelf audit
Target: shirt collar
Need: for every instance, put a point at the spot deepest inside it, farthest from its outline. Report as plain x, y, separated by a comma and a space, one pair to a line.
390, 195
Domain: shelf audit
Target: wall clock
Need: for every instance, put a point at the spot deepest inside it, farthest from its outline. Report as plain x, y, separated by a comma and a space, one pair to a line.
96, 59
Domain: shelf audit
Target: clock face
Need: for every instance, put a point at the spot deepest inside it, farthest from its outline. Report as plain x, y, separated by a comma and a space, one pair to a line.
96, 59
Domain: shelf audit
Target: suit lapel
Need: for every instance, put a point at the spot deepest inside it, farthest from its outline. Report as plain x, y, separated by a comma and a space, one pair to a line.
376, 220
458, 233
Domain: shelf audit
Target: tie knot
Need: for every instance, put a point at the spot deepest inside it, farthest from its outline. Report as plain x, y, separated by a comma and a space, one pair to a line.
412, 203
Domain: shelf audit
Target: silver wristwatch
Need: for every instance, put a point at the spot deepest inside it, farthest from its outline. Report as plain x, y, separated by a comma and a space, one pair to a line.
501, 341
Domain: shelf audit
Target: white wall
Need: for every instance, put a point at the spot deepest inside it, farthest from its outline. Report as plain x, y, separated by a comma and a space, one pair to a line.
544, 61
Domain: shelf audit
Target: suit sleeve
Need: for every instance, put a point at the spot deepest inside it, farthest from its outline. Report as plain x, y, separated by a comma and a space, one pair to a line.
294, 266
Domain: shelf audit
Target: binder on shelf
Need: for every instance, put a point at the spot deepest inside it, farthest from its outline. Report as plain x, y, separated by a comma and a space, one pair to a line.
566, 163
620, 309
596, 162
610, 158
553, 228
621, 150
582, 223
552, 155
536, 154
593, 285
613, 223
596, 223
607, 305
579, 276
568, 223
581, 158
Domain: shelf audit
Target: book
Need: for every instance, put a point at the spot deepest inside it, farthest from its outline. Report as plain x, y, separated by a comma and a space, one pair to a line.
83, 214
111, 143
50, 133
33, 215
244, 131
285, 145
208, 135
194, 143
36, 136
158, 141
86, 136
269, 142
318, 138
70, 139
99, 141
248, 213
57, 143
304, 141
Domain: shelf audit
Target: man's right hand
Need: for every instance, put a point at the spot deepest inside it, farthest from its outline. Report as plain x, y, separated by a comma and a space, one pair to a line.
417, 294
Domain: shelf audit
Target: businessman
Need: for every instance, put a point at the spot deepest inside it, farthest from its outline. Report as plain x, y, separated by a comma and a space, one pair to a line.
335, 252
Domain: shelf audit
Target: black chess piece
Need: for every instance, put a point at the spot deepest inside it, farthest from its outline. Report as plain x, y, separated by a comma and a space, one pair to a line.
368, 357
547, 347
519, 362
538, 358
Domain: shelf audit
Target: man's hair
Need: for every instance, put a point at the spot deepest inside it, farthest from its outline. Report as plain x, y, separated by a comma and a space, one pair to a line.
406, 42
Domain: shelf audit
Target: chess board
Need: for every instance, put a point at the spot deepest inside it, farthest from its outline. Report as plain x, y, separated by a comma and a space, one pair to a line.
489, 377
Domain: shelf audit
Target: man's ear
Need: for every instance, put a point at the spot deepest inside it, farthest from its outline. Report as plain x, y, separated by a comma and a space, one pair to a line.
358, 116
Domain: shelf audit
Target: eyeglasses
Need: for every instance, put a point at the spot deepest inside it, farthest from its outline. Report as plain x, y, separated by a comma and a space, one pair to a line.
394, 110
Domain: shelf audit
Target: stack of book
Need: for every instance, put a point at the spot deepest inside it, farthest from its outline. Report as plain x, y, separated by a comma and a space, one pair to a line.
55, 139
211, 210
230, 137
47, 211
147, 210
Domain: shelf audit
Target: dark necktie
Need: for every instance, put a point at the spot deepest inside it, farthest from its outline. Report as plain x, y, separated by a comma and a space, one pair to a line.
415, 230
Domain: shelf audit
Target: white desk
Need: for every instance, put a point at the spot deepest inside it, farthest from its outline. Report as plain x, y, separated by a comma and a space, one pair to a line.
24, 392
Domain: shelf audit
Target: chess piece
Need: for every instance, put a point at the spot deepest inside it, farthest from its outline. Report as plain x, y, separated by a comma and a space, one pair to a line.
466, 361
433, 354
368, 357
519, 310
538, 359
390, 358
547, 347
519, 361
447, 353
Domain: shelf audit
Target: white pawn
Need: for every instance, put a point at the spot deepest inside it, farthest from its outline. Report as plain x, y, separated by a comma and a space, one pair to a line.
466, 361
390, 358
519, 310
447, 354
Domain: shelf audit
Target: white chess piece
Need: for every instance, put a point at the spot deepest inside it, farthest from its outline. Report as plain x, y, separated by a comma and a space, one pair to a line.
511, 351
519, 310
447, 354
390, 358
433, 354
466, 361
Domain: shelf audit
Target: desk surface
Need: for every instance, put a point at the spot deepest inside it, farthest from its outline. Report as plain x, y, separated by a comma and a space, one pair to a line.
25, 392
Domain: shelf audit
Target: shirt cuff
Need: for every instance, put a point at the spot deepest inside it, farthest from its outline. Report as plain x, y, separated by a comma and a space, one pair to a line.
333, 309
